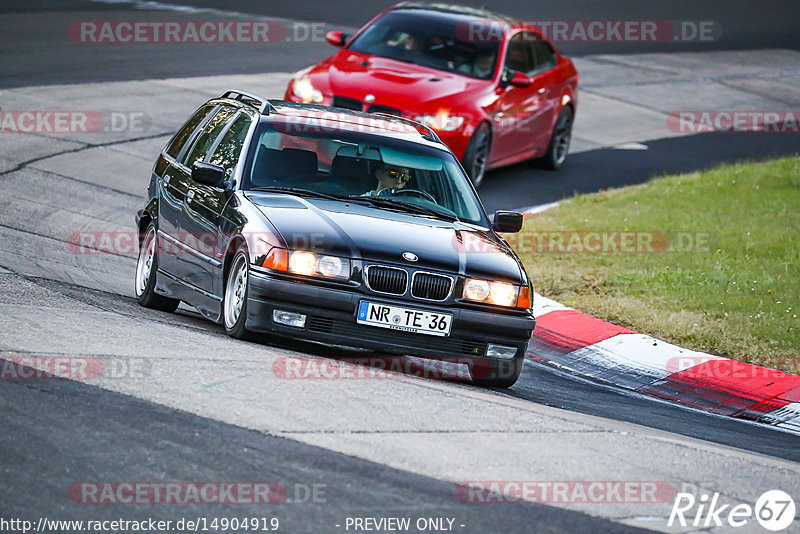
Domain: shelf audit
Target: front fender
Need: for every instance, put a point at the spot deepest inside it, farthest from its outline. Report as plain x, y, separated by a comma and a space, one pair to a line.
147, 214
243, 220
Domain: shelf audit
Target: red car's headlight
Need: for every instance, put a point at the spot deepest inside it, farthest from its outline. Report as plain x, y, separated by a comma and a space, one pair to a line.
305, 91
441, 121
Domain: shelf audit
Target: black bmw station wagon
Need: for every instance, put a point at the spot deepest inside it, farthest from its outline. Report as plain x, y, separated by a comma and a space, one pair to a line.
334, 226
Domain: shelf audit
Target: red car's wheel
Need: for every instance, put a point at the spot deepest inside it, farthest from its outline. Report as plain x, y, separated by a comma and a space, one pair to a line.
557, 151
477, 154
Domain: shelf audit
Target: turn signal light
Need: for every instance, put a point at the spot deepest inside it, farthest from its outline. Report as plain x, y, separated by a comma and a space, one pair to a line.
524, 300
277, 259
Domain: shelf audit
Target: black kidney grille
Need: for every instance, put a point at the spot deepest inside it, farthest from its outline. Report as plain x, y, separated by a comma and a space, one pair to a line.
430, 286
377, 108
347, 103
387, 279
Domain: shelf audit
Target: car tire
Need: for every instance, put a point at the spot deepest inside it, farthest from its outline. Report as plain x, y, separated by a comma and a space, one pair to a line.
234, 303
493, 373
477, 154
146, 272
560, 140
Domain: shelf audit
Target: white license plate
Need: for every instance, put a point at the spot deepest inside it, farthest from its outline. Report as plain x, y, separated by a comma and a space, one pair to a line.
404, 319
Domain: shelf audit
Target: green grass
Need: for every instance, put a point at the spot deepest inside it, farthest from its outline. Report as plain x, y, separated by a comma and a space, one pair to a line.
736, 295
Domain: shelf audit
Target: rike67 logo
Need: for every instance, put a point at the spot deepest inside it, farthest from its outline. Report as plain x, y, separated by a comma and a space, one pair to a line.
774, 510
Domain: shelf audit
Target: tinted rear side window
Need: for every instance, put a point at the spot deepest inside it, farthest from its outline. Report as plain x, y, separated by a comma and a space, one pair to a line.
545, 55
226, 155
209, 134
183, 135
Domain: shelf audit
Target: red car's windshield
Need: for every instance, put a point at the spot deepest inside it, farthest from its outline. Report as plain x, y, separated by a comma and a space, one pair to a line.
440, 42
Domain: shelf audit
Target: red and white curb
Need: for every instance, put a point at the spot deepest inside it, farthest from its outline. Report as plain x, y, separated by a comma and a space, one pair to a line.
604, 351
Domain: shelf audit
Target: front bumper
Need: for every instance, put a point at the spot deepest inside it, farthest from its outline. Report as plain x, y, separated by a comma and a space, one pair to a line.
457, 140
331, 318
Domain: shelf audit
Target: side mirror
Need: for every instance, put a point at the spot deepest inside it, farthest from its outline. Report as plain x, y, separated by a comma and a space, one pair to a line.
336, 38
509, 222
208, 174
521, 79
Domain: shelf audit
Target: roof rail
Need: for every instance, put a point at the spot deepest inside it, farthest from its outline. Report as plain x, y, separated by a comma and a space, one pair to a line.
262, 105
415, 124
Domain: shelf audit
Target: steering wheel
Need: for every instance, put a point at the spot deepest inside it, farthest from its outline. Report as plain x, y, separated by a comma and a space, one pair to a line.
414, 192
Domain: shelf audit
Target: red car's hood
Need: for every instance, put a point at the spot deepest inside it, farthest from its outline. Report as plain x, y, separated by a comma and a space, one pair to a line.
394, 83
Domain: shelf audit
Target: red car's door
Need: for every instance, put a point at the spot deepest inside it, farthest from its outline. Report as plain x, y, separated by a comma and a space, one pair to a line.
516, 112
522, 116
548, 82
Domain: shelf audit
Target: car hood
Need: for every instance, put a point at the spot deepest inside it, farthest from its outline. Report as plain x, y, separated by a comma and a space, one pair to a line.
364, 232
394, 83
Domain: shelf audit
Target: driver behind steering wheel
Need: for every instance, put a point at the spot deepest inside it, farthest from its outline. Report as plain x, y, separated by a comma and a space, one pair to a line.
389, 177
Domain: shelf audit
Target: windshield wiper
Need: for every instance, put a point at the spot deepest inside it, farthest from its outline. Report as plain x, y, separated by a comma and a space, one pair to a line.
299, 192
383, 202
405, 206
407, 60
398, 58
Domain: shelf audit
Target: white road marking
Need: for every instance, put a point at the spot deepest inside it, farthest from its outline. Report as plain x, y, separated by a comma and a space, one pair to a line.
537, 209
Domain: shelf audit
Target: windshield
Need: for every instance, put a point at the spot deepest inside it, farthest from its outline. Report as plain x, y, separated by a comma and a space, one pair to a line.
383, 172
434, 41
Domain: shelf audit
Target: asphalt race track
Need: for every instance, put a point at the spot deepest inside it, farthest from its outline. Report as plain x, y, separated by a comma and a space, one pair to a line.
611, 167
154, 440
193, 405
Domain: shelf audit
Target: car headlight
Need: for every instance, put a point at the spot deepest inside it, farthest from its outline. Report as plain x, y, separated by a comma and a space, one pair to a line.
305, 91
498, 293
441, 121
311, 264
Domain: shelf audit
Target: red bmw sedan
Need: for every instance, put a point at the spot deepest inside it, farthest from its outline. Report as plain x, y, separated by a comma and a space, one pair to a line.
493, 88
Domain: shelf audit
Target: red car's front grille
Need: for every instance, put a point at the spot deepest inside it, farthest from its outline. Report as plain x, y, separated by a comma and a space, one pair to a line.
347, 103
356, 105
377, 108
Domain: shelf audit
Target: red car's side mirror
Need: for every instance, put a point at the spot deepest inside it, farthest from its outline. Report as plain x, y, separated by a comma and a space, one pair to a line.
521, 79
336, 38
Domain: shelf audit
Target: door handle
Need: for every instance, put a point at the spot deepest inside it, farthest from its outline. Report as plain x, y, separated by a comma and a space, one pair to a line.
189, 196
